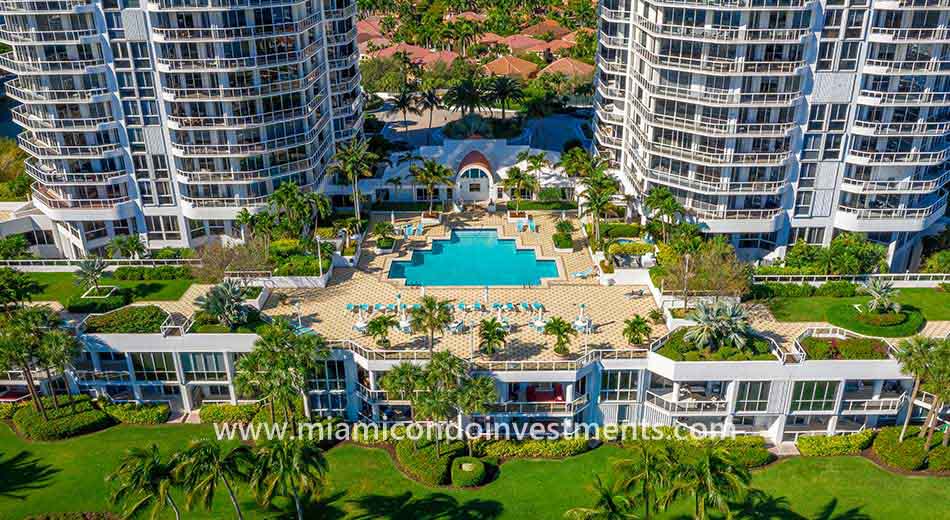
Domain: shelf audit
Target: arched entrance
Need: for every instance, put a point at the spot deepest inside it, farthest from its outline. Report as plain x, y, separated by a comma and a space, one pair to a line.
473, 181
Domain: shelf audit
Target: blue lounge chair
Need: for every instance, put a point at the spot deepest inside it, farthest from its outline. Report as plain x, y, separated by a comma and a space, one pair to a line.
419, 229
462, 306
350, 307
407, 231
537, 306
364, 306
586, 273
416, 306
531, 226
495, 306
509, 307
379, 307
478, 306
390, 307
525, 306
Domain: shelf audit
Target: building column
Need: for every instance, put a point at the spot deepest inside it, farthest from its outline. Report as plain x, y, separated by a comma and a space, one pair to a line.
135, 388
229, 368
676, 392
832, 424
96, 362
182, 386
305, 395
353, 400
569, 398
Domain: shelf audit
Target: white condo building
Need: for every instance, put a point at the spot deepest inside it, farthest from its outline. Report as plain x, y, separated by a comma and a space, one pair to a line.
166, 117
779, 120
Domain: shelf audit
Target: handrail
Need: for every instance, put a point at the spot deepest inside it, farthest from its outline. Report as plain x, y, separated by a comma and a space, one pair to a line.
831, 331
66, 262
687, 407
821, 278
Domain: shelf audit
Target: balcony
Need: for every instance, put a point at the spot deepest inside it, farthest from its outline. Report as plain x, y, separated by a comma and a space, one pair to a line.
714, 127
738, 4
58, 208
49, 176
202, 5
875, 97
18, 35
615, 15
713, 185
723, 220
31, 122
608, 115
898, 35
715, 157
16, 90
273, 172
539, 407
345, 85
722, 97
248, 62
44, 150
863, 403
873, 158
694, 405
245, 121
909, 185
608, 140
270, 88
44, 7
66, 65
345, 62
895, 66
889, 219
341, 14
244, 149
614, 41
925, 128
610, 91
191, 35
341, 38
721, 33
707, 64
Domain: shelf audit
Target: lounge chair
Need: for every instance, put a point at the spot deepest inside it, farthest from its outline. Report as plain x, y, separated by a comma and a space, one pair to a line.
478, 306
509, 307
407, 231
505, 325
379, 307
586, 273
531, 226
537, 306
419, 229
350, 307
456, 327
390, 307
462, 306
525, 306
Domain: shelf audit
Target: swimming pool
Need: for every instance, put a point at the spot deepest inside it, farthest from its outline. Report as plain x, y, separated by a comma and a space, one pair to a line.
473, 257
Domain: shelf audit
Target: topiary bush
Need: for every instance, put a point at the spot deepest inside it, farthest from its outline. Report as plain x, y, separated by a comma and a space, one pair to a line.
146, 319
421, 460
909, 455
135, 413
474, 475
79, 305
835, 445
530, 448
64, 422
228, 413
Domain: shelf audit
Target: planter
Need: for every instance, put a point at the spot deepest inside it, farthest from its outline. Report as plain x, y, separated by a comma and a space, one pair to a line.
105, 291
564, 250
258, 302
291, 282
431, 219
516, 216
381, 251
675, 323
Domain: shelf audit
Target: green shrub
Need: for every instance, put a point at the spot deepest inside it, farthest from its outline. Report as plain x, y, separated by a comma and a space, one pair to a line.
64, 422
8, 409
530, 448
837, 289
846, 316
939, 459
73, 516
852, 348
620, 230
909, 455
421, 460
884, 319
164, 272
172, 253
762, 291
134, 413
835, 445
145, 319
79, 305
678, 349
286, 248
228, 413
750, 451
563, 241
467, 478
550, 194
302, 265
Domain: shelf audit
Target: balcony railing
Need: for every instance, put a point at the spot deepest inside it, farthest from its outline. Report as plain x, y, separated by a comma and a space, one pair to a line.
722, 157
222, 93
720, 185
32, 122
892, 66
345, 62
910, 185
190, 34
721, 97
709, 126
342, 13
739, 4
868, 406
898, 34
914, 128
341, 38
895, 213
186, 121
53, 201
50, 176
42, 149
886, 158
722, 33
16, 90
14, 35
907, 98
539, 407
737, 214
262, 146
189, 5
93, 376
32, 66
687, 407
738, 65
297, 166
34, 6
246, 62
225, 202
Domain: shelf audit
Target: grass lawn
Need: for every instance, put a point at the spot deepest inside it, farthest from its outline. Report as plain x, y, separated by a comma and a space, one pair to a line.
60, 287
933, 304
70, 476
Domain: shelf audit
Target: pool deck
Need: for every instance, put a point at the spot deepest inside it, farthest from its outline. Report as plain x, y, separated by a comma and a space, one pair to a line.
325, 309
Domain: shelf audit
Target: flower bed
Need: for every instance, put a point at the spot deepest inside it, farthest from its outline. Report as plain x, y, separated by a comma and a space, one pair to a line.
847, 316
678, 349
146, 319
424, 463
64, 422
530, 448
851, 348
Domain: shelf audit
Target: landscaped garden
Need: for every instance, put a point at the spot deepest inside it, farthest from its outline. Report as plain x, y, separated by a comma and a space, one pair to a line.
851, 348
722, 333
363, 482
933, 304
61, 287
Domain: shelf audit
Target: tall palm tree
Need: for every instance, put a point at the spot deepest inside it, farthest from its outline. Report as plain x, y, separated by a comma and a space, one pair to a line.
431, 175
404, 103
536, 162
636, 330
206, 463
90, 273
596, 203
445, 371
663, 204
475, 397
466, 96
712, 476
562, 332
915, 356
396, 183
320, 207
519, 181
127, 246
491, 335
647, 473
431, 316
288, 468
144, 479
428, 100
245, 219
576, 162
58, 349
379, 326
612, 503
939, 382
21, 346
353, 161
503, 90
402, 381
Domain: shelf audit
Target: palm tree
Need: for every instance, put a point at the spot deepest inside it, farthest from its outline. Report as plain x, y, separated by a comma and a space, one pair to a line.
428, 100
354, 160
90, 273
396, 183
882, 296
938, 379
383, 230
491, 335
915, 356
466, 96
205, 464
661, 201
21, 346
379, 326
636, 330
475, 396
128, 246
404, 103
445, 371
536, 162
431, 316
596, 203
288, 468
647, 473
436, 405
144, 480
226, 302
518, 181
58, 349
576, 162
612, 504
245, 219
712, 476
320, 207
402, 381
431, 175
503, 90
718, 325
562, 332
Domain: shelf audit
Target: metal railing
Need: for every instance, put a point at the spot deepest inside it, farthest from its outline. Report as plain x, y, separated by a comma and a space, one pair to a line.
821, 278
190, 34
144, 262
690, 407
869, 405
913, 184
539, 407
891, 213
837, 333
372, 354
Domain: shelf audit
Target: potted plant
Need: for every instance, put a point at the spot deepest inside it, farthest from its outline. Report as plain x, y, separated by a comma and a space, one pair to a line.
378, 328
636, 330
563, 242
519, 181
562, 332
384, 233
491, 335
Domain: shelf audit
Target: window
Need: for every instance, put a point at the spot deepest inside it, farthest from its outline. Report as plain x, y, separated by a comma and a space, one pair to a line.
811, 235
203, 366
619, 385
806, 176
814, 396
816, 116
810, 146
803, 202
330, 376
752, 396
154, 366
832, 149
162, 227
838, 116
848, 57
196, 228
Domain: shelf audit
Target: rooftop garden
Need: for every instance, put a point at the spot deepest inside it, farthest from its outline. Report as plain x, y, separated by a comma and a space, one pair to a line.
222, 310
722, 333
852, 348
62, 287
146, 319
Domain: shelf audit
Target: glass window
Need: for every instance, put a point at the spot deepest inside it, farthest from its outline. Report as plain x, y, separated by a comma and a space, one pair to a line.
619, 385
752, 396
814, 396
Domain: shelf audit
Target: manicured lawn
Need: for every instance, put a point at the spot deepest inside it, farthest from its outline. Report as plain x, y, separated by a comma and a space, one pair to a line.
933, 304
70, 476
60, 287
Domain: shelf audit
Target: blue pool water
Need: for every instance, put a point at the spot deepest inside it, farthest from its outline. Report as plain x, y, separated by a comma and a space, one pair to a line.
473, 257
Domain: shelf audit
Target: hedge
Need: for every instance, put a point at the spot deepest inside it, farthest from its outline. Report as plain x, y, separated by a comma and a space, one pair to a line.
563, 241
145, 319
422, 462
73, 516
164, 272
847, 316
134, 413
228, 413
467, 478
8, 409
530, 448
750, 451
835, 445
78, 304
837, 289
64, 422
852, 348
834, 289
909, 455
